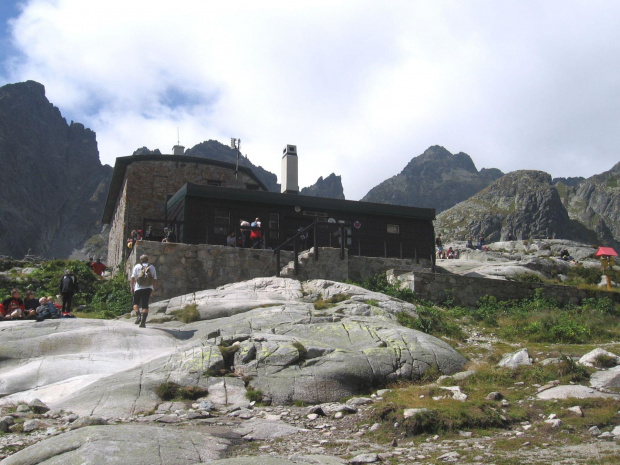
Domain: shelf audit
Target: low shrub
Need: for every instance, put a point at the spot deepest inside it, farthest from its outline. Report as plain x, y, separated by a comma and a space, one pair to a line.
254, 395
605, 361
187, 314
431, 320
170, 391
167, 391
527, 278
583, 275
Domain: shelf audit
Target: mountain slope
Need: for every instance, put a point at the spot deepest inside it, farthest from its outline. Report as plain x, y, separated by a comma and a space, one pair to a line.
522, 202
54, 185
595, 203
435, 179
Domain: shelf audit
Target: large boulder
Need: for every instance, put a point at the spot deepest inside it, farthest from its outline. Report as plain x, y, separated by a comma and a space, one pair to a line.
122, 444
265, 331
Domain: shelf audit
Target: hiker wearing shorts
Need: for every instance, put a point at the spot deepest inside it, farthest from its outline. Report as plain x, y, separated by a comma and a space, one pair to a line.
143, 282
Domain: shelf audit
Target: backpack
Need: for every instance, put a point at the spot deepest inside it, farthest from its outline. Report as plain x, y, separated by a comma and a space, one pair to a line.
145, 277
68, 283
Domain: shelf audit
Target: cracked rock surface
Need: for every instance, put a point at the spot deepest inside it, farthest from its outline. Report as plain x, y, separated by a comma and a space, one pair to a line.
266, 333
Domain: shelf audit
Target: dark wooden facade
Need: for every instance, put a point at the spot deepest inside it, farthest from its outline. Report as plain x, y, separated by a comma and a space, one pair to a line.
206, 215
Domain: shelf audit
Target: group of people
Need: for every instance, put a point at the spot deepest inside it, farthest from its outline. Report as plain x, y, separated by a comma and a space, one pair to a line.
251, 235
147, 235
16, 308
469, 243
445, 254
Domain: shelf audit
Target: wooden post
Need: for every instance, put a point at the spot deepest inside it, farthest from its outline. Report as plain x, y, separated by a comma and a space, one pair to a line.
278, 263
417, 260
359, 246
401, 250
342, 241
296, 257
385, 249
316, 242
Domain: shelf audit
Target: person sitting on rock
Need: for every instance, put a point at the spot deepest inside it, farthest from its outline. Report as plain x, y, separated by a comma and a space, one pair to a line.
469, 243
30, 305
565, 255
450, 254
46, 309
13, 306
480, 241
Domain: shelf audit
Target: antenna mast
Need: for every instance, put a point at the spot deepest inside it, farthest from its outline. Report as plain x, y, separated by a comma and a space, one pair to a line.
236, 144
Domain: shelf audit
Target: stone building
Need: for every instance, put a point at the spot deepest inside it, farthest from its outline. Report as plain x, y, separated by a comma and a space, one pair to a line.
142, 184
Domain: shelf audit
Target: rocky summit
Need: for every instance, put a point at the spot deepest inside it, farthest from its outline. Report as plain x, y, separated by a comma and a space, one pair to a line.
595, 203
54, 185
435, 179
524, 203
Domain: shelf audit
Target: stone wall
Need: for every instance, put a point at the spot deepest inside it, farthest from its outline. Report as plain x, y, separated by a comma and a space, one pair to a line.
466, 291
184, 268
361, 268
145, 192
118, 234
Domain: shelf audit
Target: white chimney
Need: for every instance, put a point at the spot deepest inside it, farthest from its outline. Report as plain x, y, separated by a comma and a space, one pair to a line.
290, 183
178, 150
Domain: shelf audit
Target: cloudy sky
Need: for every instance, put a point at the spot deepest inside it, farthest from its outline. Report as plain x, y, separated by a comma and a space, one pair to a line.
359, 86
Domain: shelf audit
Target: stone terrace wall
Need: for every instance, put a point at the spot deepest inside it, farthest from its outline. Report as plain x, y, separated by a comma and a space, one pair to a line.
466, 291
361, 268
184, 268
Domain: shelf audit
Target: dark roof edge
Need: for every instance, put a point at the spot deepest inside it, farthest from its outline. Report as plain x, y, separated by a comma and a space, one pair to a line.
121, 164
191, 189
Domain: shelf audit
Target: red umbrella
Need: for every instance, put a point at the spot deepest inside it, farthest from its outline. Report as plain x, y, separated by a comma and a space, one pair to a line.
606, 251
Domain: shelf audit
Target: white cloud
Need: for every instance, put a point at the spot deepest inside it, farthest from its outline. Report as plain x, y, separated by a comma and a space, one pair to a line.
360, 86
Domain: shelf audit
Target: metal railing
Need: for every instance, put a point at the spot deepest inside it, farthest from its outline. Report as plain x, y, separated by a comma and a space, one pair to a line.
295, 241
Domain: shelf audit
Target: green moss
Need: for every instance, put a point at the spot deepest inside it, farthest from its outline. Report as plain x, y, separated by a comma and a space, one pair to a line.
254, 395
187, 314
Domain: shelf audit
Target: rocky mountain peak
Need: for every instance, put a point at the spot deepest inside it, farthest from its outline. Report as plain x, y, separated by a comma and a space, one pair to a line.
524, 203
330, 187
436, 179
61, 160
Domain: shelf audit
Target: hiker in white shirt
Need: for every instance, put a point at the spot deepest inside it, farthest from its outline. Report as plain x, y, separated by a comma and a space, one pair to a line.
143, 282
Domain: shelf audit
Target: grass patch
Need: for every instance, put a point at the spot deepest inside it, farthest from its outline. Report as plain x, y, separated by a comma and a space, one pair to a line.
254, 395
431, 320
323, 304
372, 302
301, 350
605, 361
173, 391
187, 314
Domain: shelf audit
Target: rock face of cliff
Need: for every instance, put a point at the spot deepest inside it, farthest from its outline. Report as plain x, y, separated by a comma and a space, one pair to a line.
435, 179
522, 202
54, 185
595, 203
